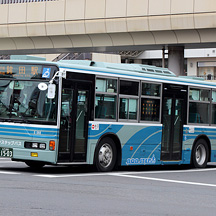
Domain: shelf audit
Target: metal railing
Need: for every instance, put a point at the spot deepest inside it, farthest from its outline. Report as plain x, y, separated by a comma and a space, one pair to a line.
4, 57
208, 77
73, 56
21, 1
133, 54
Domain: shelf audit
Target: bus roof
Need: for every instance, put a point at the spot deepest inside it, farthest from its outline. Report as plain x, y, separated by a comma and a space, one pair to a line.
138, 68
134, 71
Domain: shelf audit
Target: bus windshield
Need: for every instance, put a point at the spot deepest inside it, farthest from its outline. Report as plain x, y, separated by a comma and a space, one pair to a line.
23, 101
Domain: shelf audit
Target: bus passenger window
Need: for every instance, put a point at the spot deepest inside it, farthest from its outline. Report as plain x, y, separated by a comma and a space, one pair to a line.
213, 121
106, 85
129, 88
105, 106
150, 89
128, 108
199, 100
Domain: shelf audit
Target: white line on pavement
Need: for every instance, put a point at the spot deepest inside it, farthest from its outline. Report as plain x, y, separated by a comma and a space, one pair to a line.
169, 171
9, 173
122, 173
71, 175
165, 180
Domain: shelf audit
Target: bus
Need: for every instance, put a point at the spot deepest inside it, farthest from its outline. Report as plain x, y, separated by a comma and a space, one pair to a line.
104, 114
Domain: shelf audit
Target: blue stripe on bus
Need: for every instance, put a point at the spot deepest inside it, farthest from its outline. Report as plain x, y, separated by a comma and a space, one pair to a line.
29, 136
145, 133
30, 132
24, 131
28, 128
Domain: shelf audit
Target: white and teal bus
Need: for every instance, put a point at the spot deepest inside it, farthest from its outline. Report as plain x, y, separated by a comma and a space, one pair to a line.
85, 112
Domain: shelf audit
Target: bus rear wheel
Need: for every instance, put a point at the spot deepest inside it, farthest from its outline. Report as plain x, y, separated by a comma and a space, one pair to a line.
200, 154
105, 155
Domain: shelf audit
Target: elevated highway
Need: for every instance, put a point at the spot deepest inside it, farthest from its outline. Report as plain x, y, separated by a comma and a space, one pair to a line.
42, 26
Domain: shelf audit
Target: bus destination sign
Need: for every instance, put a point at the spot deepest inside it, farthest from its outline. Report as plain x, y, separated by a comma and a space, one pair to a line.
22, 71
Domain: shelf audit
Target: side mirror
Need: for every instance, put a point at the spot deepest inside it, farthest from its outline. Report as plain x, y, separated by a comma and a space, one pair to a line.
51, 91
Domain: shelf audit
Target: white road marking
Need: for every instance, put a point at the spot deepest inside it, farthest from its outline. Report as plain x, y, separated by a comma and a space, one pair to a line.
165, 180
169, 171
9, 173
71, 175
121, 174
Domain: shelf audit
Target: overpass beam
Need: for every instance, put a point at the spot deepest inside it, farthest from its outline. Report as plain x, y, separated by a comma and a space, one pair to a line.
176, 60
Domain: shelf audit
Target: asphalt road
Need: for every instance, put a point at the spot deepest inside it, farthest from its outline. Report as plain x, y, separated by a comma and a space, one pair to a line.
150, 190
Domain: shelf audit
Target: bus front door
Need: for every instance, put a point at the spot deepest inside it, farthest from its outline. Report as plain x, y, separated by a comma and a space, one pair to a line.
173, 118
74, 121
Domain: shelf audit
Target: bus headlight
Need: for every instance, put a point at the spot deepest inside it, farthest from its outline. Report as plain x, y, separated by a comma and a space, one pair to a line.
34, 145
42, 146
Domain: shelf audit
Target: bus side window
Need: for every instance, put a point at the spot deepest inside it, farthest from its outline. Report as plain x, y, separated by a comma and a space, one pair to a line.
105, 106
100, 110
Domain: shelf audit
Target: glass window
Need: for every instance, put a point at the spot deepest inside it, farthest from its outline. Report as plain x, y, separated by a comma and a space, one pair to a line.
24, 101
199, 94
123, 111
105, 106
150, 89
213, 120
150, 109
106, 85
128, 108
213, 96
129, 88
199, 112
213, 114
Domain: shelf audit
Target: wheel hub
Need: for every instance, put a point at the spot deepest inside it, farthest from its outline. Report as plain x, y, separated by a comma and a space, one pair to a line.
200, 154
105, 155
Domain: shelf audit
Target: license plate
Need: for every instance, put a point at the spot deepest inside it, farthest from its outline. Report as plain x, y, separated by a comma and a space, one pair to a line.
6, 152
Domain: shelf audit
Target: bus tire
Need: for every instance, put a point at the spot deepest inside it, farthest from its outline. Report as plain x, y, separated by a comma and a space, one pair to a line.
105, 155
200, 154
35, 164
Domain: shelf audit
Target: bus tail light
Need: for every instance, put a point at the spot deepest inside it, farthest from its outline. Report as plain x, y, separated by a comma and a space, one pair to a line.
52, 145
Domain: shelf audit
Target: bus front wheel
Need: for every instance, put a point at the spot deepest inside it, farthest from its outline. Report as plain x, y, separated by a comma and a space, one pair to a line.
200, 154
105, 155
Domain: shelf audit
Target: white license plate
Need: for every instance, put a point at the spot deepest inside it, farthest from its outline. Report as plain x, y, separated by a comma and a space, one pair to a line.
6, 152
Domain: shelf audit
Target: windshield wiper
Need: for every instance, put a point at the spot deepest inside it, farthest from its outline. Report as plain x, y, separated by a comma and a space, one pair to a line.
23, 119
5, 120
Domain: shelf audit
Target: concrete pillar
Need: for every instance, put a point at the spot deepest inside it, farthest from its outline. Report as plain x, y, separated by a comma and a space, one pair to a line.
176, 60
